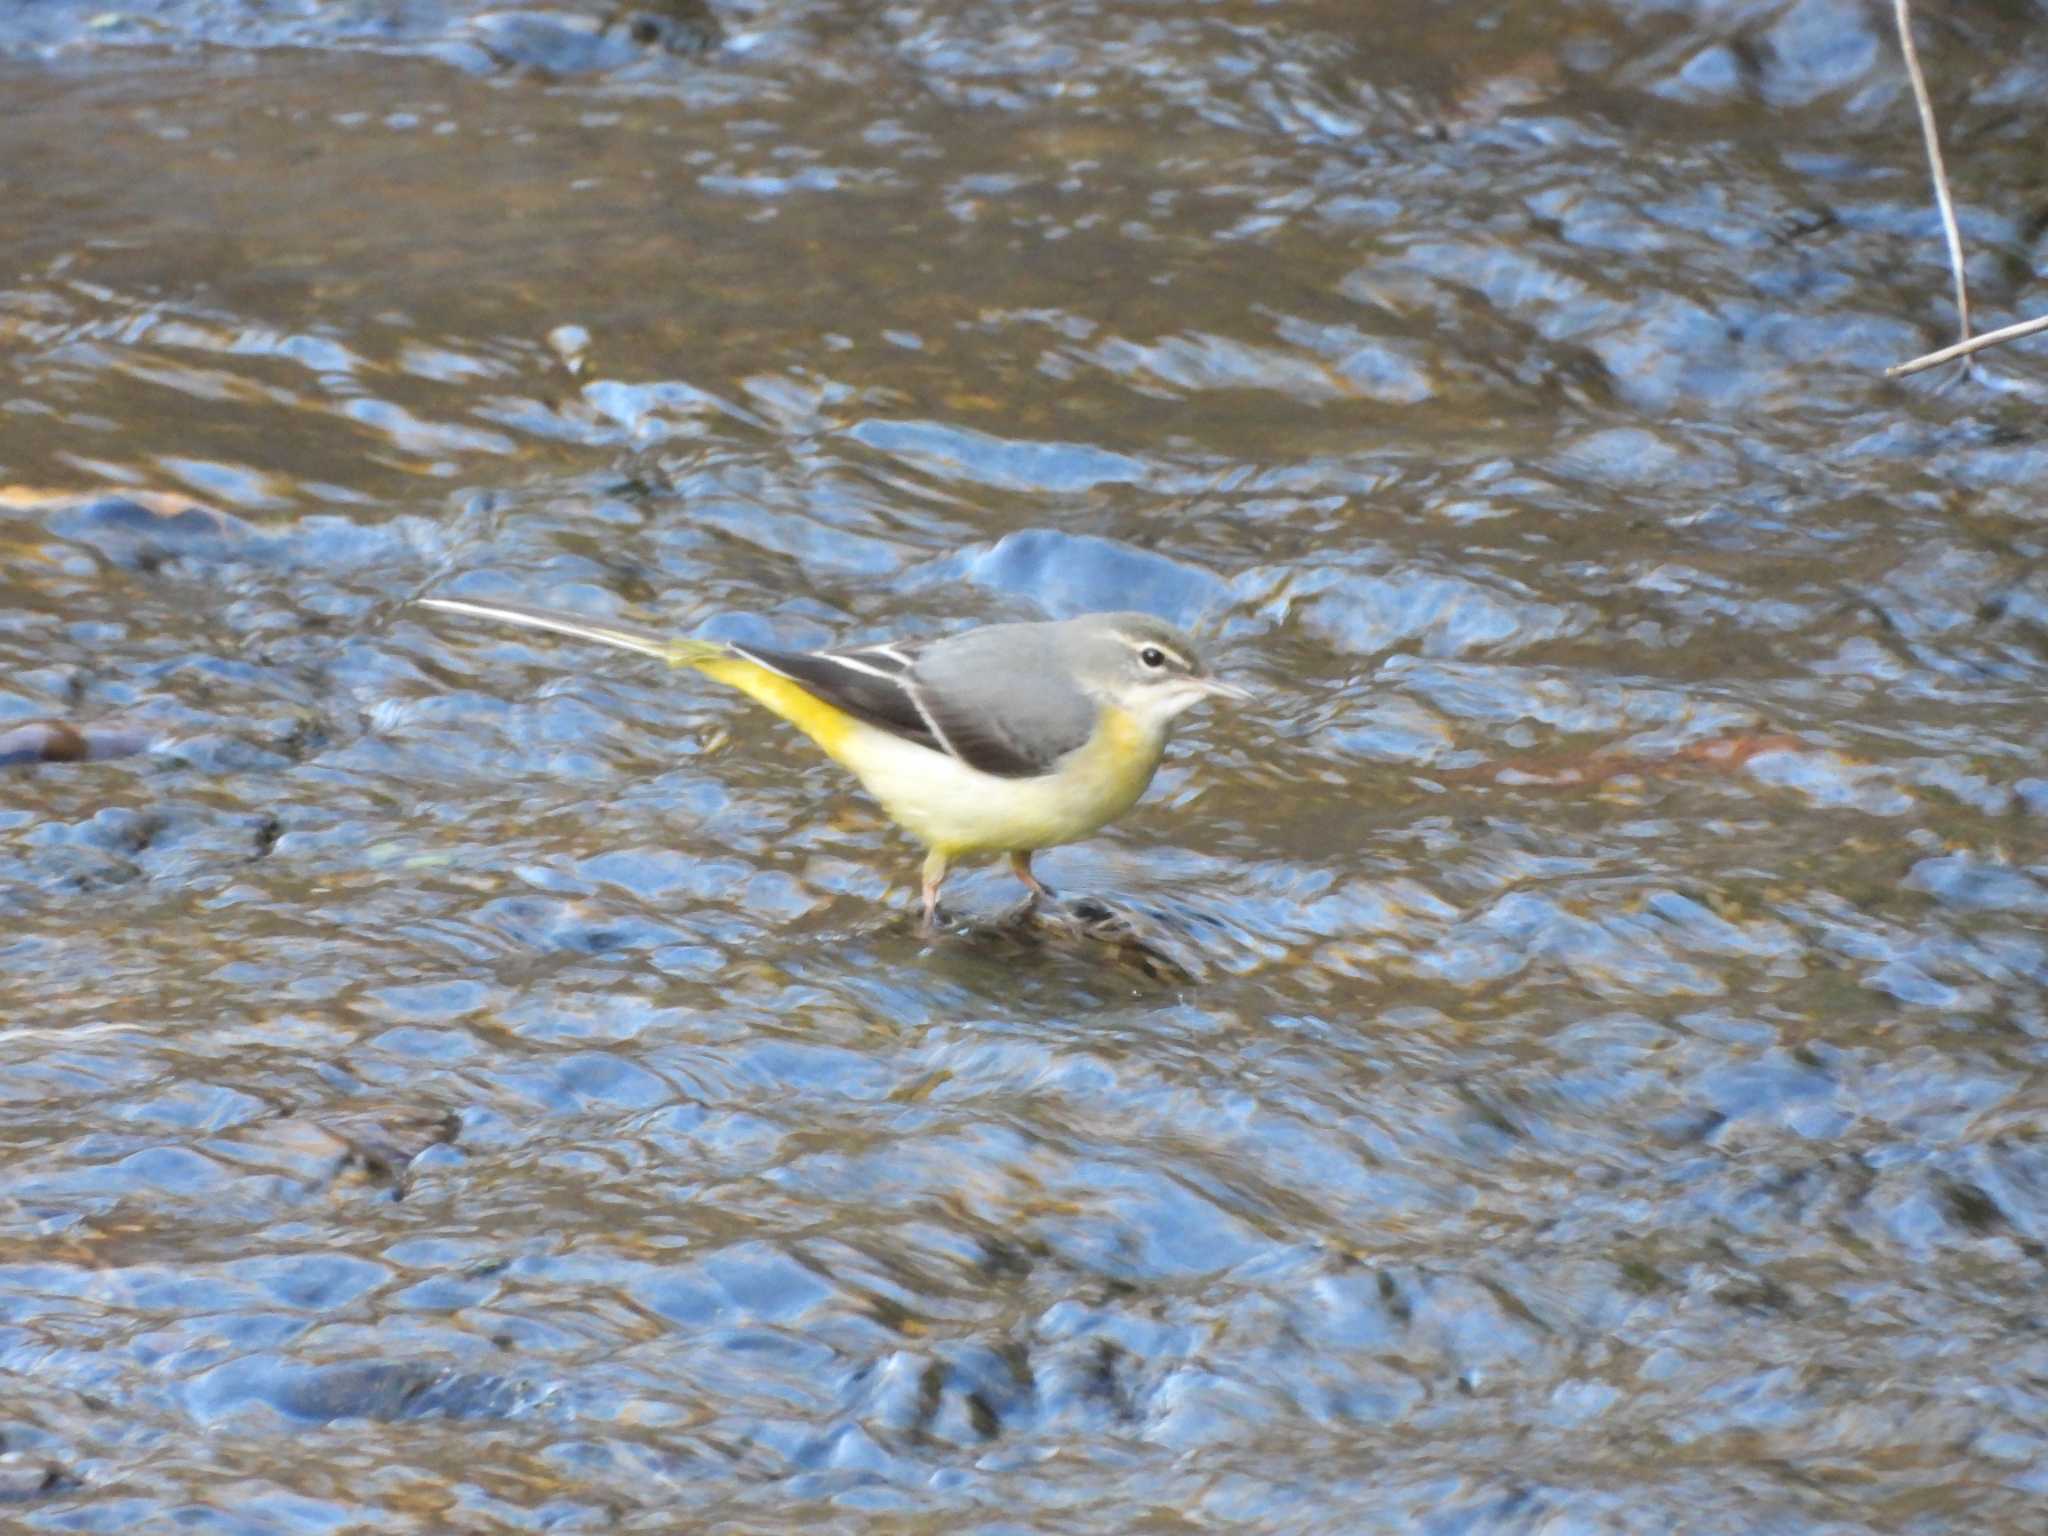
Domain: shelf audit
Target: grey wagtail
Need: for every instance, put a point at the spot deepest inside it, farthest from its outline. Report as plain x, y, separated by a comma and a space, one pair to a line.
1005, 739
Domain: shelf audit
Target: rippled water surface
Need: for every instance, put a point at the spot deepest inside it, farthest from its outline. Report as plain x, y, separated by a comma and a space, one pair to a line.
1569, 1058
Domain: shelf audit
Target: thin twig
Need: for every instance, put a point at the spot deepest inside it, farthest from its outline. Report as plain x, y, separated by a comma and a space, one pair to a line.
1928, 133
1968, 343
1963, 348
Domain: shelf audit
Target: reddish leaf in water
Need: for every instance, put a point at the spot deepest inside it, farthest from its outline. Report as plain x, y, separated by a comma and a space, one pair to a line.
1727, 753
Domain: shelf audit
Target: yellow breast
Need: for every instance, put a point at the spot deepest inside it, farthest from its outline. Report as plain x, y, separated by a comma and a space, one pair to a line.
959, 810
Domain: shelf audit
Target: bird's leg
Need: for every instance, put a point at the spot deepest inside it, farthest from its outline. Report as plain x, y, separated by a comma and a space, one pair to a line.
934, 874
1020, 866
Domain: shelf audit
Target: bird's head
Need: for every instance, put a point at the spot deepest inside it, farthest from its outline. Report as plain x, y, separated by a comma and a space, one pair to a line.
1142, 665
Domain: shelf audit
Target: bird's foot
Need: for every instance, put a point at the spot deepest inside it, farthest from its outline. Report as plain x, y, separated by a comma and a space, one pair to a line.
928, 888
1020, 866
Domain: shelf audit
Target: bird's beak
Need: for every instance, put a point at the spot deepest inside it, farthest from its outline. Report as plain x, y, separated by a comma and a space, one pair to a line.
1223, 690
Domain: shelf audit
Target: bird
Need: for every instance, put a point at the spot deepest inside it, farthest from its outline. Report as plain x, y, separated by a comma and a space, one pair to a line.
1004, 739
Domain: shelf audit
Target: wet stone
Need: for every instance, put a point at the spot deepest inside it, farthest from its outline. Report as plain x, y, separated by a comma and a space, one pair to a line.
146, 533
390, 1391
1565, 1056
61, 741
25, 1481
374, 1142
566, 43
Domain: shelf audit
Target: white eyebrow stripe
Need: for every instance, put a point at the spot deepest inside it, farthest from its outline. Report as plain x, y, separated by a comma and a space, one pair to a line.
1141, 645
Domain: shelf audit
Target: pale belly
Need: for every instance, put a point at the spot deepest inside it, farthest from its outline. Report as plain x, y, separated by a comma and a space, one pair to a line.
958, 810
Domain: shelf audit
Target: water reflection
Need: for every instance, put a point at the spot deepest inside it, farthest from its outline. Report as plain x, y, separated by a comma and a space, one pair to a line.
1568, 1059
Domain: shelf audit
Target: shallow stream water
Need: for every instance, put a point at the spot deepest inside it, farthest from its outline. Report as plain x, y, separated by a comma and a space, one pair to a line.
1571, 1058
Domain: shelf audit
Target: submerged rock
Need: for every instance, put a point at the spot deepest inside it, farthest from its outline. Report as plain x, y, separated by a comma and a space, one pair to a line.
562, 43
63, 741
144, 531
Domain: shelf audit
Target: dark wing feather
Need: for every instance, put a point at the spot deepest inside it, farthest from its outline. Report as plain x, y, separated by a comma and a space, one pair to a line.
928, 692
979, 742
868, 682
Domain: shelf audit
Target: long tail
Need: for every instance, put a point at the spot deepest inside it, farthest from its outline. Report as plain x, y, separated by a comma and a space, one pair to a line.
627, 637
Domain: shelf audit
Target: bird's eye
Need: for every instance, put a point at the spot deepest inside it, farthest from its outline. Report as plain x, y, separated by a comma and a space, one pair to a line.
1153, 657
